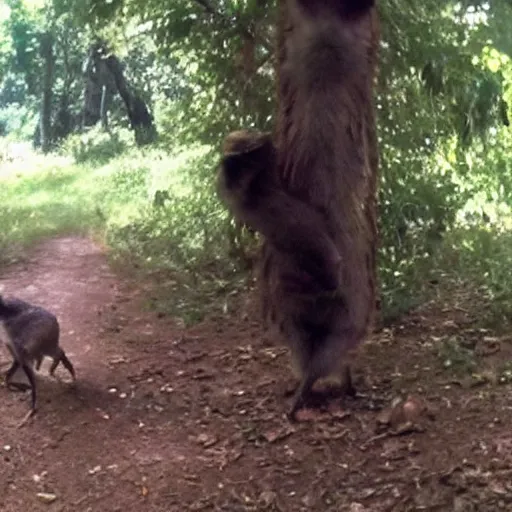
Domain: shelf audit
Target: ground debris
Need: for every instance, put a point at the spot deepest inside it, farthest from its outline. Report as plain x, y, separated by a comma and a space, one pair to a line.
46, 497
221, 441
405, 415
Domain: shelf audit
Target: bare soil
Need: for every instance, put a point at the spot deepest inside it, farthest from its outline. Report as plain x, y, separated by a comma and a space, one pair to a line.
170, 419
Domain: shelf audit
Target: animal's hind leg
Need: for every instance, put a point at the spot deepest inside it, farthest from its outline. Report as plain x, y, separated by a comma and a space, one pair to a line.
67, 363
54, 365
29, 372
15, 386
62, 358
301, 395
348, 387
324, 361
11, 371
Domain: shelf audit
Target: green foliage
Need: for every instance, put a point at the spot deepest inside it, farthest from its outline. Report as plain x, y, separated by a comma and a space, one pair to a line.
177, 228
156, 211
438, 99
37, 199
96, 146
206, 68
481, 256
455, 356
17, 121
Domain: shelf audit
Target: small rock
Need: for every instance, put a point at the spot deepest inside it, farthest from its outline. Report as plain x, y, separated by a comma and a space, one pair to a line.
404, 413
308, 501
267, 498
206, 440
46, 497
37, 478
94, 470
303, 415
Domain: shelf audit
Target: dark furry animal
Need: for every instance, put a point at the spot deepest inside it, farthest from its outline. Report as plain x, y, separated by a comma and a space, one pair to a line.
30, 333
248, 185
327, 158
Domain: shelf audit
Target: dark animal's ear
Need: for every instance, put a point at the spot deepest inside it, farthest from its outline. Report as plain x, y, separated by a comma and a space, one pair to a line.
244, 141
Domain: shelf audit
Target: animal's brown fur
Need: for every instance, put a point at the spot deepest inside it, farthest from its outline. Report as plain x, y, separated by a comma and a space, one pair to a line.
327, 157
248, 184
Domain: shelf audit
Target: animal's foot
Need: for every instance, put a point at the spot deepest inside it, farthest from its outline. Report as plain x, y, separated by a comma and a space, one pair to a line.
18, 386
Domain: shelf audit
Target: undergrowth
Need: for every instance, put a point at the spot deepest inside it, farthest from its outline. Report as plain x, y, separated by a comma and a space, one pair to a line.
157, 213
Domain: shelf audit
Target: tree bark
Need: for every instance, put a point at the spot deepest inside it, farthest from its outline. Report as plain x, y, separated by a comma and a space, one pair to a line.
141, 119
104, 108
99, 87
45, 118
104, 75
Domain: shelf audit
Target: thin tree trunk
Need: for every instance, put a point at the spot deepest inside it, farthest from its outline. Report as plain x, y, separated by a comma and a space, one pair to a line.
104, 75
104, 108
45, 119
141, 119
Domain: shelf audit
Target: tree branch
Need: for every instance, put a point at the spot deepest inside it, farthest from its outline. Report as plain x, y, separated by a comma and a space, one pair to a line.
207, 6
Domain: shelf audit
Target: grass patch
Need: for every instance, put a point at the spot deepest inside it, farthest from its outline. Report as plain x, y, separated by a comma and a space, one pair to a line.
481, 258
156, 212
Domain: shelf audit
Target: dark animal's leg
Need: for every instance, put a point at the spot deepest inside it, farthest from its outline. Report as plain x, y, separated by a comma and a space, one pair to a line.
67, 363
324, 361
302, 393
14, 386
29, 372
54, 365
62, 358
11, 371
348, 382
39, 360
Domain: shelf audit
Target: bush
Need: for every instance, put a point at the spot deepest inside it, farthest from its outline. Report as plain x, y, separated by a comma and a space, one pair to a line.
18, 122
96, 146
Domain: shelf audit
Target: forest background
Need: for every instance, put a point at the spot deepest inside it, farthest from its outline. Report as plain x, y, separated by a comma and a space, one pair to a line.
112, 114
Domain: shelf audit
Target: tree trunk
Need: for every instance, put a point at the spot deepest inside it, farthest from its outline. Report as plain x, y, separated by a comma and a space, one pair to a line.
93, 88
45, 119
104, 75
62, 126
65, 122
104, 108
141, 119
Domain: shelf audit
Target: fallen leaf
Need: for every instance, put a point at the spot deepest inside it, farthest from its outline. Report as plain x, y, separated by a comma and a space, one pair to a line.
275, 435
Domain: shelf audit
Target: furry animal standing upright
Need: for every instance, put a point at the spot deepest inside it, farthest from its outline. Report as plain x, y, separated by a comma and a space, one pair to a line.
327, 157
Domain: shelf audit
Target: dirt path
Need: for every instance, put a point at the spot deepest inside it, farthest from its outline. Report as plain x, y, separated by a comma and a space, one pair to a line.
163, 419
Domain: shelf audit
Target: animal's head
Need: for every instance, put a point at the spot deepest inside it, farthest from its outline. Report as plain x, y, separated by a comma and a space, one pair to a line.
246, 154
